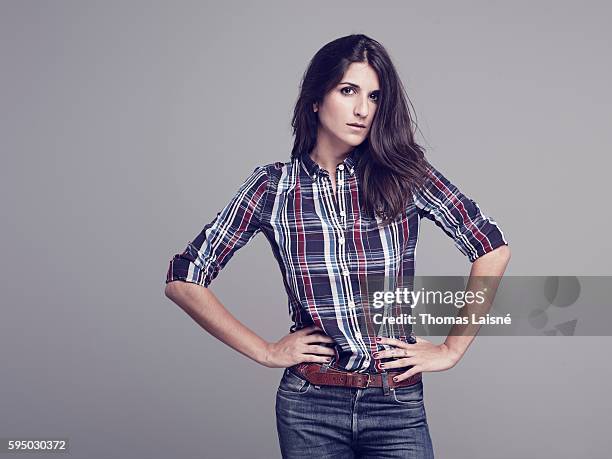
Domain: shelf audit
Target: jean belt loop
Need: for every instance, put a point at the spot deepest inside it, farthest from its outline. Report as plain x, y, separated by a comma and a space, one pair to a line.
385, 382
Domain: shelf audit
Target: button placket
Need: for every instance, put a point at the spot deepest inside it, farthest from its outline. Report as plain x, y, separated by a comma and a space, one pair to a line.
338, 205
342, 240
340, 193
342, 182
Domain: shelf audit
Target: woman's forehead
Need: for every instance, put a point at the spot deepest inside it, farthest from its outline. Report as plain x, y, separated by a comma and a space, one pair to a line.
361, 74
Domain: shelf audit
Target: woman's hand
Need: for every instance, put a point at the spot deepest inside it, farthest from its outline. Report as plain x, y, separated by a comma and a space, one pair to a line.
424, 356
299, 347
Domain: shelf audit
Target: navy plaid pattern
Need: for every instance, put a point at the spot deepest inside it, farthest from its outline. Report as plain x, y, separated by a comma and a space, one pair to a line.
329, 251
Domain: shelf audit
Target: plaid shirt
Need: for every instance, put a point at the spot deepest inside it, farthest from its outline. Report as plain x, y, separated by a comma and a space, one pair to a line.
329, 250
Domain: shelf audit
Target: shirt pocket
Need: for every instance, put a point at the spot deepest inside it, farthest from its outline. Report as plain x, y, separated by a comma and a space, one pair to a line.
383, 244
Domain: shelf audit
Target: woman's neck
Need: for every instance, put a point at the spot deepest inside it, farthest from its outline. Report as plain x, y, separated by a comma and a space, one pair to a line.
328, 158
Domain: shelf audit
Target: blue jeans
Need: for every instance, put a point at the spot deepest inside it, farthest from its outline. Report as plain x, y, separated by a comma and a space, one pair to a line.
325, 422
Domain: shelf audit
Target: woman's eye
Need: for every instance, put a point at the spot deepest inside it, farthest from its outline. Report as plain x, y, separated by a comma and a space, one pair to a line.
350, 88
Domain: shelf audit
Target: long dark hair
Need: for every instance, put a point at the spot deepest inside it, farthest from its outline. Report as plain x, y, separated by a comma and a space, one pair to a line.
391, 164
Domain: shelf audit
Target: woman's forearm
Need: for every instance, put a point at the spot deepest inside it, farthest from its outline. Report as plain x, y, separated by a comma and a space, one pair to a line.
201, 304
486, 271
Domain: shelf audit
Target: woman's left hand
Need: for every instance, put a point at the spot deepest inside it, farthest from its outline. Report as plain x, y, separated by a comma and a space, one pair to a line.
424, 356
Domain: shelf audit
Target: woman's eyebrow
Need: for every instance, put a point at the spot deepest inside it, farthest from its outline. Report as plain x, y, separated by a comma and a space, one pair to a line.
355, 85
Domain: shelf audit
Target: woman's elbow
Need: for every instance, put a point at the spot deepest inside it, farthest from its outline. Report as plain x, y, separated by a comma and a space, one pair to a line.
178, 289
172, 288
500, 256
503, 252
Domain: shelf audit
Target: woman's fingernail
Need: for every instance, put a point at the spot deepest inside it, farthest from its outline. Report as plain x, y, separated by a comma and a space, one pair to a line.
382, 365
375, 355
378, 338
395, 379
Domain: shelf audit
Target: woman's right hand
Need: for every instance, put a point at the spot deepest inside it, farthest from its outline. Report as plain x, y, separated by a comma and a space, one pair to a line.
299, 347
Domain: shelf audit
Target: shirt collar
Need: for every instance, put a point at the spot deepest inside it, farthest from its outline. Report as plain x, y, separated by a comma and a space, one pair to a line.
313, 169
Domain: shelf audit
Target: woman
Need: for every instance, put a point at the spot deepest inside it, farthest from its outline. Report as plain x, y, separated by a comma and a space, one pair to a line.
343, 212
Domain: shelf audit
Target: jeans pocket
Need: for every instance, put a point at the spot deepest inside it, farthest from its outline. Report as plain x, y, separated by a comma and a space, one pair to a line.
293, 384
409, 395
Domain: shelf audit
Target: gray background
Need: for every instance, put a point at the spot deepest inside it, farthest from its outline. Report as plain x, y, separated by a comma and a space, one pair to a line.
127, 125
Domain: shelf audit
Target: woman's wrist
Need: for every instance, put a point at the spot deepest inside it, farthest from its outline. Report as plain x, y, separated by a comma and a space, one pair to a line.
453, 353
263, 357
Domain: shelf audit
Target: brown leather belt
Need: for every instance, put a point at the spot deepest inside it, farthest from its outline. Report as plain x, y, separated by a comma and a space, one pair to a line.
332, 377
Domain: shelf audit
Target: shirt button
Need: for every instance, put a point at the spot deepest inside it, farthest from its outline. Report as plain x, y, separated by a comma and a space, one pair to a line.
351, 304
340, 182
345, 272
358, 335
341, 240
342, 213
341, 167
314, 176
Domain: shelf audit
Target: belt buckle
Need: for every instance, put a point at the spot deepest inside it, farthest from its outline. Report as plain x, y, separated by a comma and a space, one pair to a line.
360, 375
350, 377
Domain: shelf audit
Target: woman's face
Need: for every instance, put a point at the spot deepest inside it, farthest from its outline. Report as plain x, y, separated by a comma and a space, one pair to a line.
352, 101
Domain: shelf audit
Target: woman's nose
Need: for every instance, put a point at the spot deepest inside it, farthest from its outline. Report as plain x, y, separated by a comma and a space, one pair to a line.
361, 109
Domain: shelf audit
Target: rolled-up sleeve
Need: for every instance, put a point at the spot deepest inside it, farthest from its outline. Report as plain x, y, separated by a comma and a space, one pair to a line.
458, 216
233, 227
